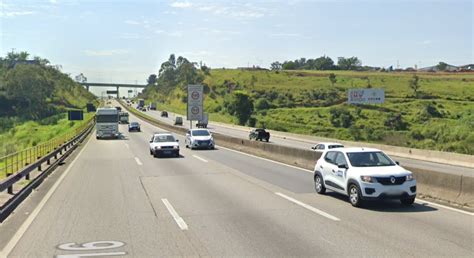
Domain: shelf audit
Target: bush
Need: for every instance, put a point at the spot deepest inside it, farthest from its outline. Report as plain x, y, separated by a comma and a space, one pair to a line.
341, 117
262, 104
395, 122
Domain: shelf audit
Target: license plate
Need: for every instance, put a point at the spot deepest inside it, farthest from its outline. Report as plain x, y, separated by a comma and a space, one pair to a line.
167, 152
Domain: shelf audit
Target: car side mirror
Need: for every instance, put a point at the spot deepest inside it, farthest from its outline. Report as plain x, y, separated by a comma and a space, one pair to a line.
151, 141
343, 166
177, 140
398, 163
313, 148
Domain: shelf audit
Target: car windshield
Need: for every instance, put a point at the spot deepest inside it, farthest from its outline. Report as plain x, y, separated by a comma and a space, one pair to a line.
369, 159
134, 124
200, 133
107, 118
164, 138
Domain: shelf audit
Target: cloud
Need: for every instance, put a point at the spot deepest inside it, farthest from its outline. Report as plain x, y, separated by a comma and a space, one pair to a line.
53, 1
425, 42
169, 33
185, 4
236, 10
110, 52
11, 14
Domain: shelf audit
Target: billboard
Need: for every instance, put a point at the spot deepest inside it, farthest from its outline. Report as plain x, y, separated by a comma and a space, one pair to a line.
195, 98
366, 96
112, 92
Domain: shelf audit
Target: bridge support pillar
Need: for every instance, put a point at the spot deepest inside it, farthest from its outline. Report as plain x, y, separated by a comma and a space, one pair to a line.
118, 95
87, 87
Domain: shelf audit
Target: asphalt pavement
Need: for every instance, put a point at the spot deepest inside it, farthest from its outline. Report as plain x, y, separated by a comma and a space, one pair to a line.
117, 199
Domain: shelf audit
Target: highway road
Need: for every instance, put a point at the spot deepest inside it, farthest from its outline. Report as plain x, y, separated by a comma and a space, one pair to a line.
304, 143
213, 203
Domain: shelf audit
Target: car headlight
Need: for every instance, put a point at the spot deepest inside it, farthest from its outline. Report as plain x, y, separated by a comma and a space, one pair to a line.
157, 147
175, 147
367, 179
409, 177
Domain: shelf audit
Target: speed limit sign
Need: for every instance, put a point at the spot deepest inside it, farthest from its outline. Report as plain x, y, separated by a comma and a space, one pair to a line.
195, 102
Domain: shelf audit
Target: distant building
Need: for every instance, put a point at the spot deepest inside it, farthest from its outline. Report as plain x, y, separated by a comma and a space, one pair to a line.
468, 67
434, 68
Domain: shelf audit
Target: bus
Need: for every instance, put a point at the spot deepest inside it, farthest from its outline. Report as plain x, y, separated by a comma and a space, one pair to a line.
107, 120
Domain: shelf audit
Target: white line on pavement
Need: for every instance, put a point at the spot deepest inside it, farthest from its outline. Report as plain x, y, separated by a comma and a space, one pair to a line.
14, 240
138, 161
421, 201
181, 224
199, 158
311, 208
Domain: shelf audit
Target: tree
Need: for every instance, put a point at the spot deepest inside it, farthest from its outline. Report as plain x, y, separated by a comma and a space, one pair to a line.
276, 66
240, 105
80, 78
289, 65
414, 84
262, 104
152, 79
442, 66
351, 63
323, 63
332, 79
206, 69
30, 88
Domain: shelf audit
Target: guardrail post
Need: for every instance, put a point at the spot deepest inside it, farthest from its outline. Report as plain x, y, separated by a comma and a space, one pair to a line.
48, 162
10, 189
27, 176
39, 167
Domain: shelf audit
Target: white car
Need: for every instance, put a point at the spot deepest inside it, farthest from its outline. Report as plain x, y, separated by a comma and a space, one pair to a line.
164, 144
323, 146
363, 174
199, 139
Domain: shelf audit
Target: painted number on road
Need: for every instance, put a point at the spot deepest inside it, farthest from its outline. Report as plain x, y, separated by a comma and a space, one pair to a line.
91, 246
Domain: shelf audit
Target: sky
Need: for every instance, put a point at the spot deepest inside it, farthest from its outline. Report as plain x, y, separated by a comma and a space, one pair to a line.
123, 41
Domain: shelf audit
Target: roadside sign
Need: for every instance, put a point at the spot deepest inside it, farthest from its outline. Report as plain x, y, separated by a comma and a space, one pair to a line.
366, 96
195, 104
112, 92
75, 115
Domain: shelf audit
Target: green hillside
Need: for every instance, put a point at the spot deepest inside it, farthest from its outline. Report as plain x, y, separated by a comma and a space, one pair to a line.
439, 115
34, 97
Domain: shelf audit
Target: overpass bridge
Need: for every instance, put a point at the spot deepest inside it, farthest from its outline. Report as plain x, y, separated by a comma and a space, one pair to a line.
115, 85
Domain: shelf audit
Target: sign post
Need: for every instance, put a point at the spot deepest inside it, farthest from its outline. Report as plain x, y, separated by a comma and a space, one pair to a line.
195, 103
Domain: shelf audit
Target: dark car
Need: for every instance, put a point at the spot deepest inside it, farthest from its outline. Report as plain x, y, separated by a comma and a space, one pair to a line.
134, 126
259, 134
164, 113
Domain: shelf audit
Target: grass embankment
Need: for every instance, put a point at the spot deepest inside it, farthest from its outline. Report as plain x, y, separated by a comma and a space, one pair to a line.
33, 133
441, 117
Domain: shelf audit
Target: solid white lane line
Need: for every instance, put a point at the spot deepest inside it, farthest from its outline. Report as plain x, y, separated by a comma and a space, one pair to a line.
421, 201
311, 208
199, 158
269, 160
138, 161
181, 224
26, 224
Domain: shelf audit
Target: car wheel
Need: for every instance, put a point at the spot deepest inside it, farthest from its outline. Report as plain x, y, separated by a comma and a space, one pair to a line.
177, 154
408, 201
151, 152
354, 195
318, 185
267, 139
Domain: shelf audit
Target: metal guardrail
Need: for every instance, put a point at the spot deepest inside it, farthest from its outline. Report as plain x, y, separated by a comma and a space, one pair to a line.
19, 165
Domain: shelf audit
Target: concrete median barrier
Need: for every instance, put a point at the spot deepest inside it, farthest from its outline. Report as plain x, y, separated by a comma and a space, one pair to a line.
450, 188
